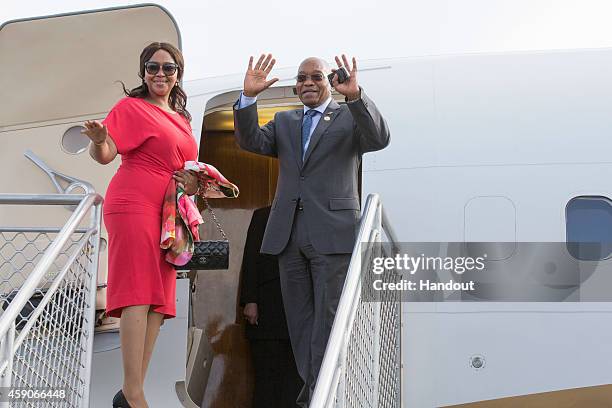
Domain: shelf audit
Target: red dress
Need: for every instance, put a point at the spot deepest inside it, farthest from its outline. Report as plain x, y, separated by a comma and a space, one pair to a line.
153, 143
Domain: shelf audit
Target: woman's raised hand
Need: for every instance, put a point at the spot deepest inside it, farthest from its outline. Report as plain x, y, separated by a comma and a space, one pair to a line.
95, 131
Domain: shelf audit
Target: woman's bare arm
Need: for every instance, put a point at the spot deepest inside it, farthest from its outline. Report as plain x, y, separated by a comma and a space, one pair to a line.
102, 148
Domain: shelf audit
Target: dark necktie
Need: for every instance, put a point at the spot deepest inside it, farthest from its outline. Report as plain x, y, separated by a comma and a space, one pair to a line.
306, 125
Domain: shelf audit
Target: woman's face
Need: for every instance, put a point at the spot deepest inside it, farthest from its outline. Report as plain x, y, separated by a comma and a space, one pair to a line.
161, 73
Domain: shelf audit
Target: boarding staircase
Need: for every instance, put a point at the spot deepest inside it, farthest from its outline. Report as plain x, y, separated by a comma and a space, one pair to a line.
48, 292
361, 367
48, 278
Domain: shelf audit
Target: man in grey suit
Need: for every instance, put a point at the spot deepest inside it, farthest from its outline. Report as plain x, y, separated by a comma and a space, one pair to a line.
315, 212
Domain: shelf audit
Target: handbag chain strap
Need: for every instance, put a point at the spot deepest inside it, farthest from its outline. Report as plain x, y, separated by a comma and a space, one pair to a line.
214, 217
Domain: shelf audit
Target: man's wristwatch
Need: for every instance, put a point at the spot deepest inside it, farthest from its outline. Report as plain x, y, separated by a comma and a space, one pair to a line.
346, 99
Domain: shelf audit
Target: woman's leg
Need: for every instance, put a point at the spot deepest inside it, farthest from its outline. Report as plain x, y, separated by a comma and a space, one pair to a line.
154, 322
133, 331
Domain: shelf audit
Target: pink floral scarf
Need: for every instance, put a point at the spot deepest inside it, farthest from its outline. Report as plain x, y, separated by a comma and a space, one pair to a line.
178, 233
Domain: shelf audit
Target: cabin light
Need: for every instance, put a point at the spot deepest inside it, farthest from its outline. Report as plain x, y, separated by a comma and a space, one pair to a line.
73, 141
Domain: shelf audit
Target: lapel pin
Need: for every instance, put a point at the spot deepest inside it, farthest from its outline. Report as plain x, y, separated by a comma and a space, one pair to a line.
326, 118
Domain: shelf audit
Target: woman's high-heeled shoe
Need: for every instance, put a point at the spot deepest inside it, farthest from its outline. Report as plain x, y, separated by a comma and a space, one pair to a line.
119, 400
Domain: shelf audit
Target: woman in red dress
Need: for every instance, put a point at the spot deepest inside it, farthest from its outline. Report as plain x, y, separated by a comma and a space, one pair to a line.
150, 129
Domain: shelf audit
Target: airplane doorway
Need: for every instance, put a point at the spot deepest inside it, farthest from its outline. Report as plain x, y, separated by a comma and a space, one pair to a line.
254, 174
215, 302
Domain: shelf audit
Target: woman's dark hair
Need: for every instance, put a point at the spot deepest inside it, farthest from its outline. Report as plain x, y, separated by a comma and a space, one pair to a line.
178, 97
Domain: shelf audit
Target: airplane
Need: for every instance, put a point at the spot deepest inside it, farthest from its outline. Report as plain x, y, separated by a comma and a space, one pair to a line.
509, 149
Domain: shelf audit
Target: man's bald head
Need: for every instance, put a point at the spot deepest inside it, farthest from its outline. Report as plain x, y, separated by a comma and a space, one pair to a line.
315, 88
323, 65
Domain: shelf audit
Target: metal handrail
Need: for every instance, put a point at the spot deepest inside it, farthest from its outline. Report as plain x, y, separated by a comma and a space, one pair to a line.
389, 231
52, 230
48, 295
55, 176
43, 199
330, 372
85, 202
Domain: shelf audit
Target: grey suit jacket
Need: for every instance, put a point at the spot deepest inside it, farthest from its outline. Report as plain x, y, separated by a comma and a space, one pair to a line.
326, 181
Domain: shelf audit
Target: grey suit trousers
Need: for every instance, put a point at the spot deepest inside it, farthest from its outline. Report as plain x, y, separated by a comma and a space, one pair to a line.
311, 284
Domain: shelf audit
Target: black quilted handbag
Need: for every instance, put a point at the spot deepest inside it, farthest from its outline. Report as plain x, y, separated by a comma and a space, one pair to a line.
210, 254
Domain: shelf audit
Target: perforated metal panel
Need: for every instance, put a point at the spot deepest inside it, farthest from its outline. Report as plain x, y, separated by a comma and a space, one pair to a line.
362, 360
52, 352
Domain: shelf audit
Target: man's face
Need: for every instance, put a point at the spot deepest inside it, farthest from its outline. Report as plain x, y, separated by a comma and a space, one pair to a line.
312, 85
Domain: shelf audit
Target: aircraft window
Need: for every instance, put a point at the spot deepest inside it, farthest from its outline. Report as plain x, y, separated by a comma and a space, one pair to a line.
589, 228
73, 141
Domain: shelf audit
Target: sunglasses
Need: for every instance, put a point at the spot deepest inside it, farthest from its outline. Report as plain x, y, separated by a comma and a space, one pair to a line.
168, 68
314, 77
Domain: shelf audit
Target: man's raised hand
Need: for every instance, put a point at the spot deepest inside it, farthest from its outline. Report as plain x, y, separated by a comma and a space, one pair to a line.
350, 87
255, 79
